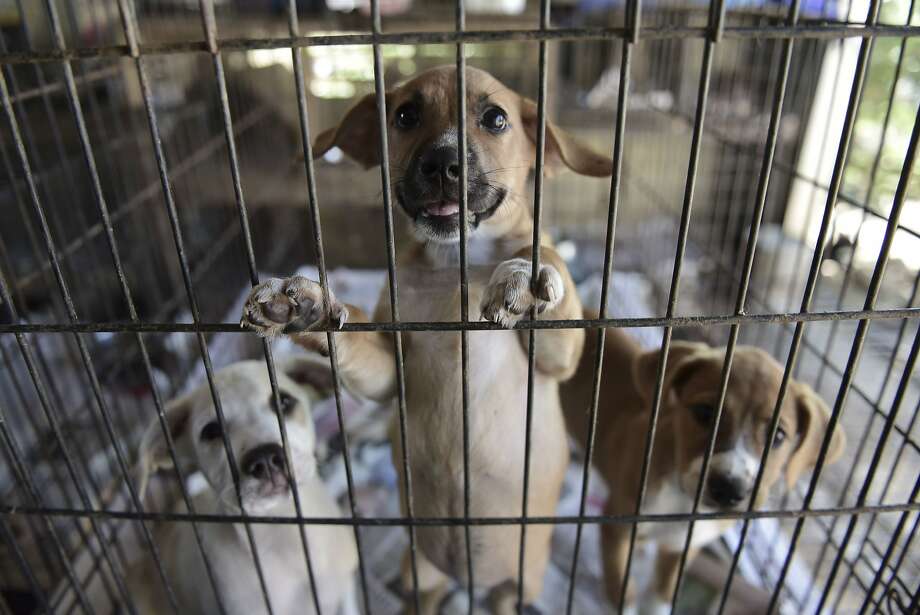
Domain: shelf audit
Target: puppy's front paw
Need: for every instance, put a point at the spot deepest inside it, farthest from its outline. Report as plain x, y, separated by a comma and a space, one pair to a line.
509, 294
290, 305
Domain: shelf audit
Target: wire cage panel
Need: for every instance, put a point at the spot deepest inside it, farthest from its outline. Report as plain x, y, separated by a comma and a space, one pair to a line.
154, 168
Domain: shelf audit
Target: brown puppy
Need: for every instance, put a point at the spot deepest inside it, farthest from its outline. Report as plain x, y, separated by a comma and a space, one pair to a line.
422, 135
689, 398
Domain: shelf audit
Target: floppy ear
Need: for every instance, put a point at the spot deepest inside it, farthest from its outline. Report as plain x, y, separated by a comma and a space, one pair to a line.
563, 148
358, 134
813, 415
680, 357
312, 372
153, 453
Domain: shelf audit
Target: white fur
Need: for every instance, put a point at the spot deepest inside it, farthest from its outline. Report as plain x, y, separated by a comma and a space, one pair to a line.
670, 498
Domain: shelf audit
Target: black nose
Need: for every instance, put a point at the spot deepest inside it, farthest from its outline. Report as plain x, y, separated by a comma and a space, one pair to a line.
726, 490
441, 162
264, 461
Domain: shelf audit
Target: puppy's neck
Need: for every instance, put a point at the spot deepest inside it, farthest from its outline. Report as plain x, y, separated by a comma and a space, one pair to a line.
488, 245
480, 250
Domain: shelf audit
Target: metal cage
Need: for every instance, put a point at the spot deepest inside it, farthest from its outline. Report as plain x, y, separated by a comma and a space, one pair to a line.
763, 185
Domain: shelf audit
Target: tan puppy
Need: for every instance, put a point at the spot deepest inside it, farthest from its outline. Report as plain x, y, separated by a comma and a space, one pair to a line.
689, 398
253, 433
422, 133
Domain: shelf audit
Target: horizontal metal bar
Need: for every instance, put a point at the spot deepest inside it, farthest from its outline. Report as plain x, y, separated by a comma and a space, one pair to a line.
817, 31
51, 88
596, 323
459, 521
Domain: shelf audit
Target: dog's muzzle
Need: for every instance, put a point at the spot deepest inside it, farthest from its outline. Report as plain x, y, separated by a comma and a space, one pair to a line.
727, 491
430, 190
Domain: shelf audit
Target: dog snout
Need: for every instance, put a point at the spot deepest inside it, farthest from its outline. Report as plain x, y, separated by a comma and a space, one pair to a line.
441, 164
265, 462
727, 490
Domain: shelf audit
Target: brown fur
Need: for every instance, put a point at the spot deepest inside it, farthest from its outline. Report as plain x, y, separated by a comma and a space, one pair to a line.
500, 284
693, 375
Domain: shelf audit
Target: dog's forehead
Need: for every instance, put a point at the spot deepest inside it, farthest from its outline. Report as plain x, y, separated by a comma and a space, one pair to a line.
438, 87
239, 386
754, 386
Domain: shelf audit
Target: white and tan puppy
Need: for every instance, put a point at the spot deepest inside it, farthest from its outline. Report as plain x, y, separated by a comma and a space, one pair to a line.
689, 399
252, 429
423, 155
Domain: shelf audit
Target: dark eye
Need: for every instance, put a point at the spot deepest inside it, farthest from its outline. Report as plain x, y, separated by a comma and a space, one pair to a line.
407, 116
288, 403
703, 413
495, 120
211, 431
780, 436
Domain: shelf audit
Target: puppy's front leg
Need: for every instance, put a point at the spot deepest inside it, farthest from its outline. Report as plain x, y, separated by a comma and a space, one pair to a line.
511, 293
295, 307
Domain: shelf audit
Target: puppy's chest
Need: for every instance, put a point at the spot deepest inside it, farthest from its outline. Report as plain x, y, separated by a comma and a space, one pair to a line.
670, 499
432, 295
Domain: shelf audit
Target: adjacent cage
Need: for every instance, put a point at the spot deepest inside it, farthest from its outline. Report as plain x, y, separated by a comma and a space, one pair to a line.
764, 192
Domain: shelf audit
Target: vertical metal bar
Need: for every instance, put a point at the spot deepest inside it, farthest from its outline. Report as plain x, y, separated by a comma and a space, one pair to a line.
95, 274
29, 135
24, 162
464, 301
23, 475
77, 111
143, 349
845, 284
619, 138
858, 457
209, 23
313, 207
29, 143
808, 294
26, 569
895, 464
534, 272
730, 242
9, 489
176, 229
23, 403
717, 15
760, 205
729, 162
23, 472
26, 405
874, 285
900, 196
635, 21
800, 249
889, 552
905, 551
870, 474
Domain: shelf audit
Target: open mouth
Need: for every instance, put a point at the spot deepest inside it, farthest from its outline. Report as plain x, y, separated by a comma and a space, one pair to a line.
439, 219
441, 209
